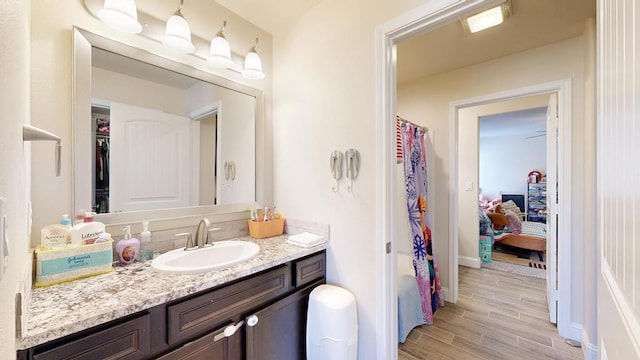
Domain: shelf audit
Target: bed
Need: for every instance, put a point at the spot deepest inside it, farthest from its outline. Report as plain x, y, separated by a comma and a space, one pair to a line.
532, 237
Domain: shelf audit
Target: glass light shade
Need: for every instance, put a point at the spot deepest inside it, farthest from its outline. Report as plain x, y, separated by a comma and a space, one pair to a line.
121, 15
220, 52
252, 66
178, 35
485, 19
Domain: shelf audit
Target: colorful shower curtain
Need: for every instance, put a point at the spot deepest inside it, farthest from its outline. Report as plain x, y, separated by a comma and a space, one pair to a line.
424, 262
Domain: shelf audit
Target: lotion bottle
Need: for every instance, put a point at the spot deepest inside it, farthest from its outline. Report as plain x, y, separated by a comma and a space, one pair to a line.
56, 235
146, 252
128, 248
86, 232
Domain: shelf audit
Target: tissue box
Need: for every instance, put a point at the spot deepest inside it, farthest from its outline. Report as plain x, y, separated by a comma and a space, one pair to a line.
265, 229
66, 264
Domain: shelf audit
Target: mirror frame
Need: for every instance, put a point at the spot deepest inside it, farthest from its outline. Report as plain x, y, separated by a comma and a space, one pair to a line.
83, 41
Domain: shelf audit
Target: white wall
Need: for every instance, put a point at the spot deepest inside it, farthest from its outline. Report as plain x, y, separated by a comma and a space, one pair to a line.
14, 182
505, 162
431, 97
51, 95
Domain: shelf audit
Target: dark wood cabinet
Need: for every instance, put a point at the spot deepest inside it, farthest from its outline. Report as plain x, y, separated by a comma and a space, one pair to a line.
211, 346
279, 333
128, 340
194, 327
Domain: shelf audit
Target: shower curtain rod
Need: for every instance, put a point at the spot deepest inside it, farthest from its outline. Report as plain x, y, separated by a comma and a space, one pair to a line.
412, 123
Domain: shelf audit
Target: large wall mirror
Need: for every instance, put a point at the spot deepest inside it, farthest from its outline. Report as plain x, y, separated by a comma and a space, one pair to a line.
151, 134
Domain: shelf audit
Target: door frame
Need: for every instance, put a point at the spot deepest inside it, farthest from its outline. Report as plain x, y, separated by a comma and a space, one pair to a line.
563, 89
423, 18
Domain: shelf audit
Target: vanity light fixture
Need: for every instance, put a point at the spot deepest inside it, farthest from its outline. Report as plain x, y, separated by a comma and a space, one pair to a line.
178, 34
253, 65
121, 15
220, 52
488, 18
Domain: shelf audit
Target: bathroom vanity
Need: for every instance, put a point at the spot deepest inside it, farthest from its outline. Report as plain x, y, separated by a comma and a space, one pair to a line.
254, 310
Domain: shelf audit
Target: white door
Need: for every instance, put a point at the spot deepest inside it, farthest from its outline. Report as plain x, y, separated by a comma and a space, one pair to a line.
618, 197
150, 159
236, 152
552, 207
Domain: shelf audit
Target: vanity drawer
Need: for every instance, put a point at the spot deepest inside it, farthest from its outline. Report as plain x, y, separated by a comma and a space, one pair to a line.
208, 311
128, 341
309, 269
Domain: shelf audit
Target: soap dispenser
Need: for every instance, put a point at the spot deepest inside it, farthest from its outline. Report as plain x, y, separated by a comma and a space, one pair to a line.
146, 251
128, 248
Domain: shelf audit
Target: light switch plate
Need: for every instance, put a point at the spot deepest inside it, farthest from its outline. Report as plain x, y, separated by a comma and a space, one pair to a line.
468, 186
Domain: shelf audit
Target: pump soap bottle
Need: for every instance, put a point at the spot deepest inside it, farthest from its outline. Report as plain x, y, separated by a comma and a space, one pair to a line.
146, 252
128, 248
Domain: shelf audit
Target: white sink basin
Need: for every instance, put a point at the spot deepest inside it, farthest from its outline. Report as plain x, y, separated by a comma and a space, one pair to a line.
221, 254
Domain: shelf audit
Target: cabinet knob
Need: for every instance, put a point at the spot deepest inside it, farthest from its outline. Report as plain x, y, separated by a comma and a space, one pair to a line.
252, 320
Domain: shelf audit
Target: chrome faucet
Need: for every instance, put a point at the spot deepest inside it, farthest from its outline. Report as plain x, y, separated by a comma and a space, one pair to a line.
202, 233
202, 236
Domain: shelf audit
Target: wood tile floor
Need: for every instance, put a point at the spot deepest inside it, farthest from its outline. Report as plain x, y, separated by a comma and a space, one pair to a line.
499, 315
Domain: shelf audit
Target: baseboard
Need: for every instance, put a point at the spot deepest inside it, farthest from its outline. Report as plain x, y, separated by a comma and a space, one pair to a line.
472, 262
589, 349
446, 295
575, 332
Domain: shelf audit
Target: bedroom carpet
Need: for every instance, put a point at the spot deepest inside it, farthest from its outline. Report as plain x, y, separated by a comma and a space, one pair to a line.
517, 256
510, 259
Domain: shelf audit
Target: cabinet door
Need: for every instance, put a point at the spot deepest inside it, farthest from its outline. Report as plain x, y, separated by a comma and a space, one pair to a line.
280, 333
214, 346
126, 341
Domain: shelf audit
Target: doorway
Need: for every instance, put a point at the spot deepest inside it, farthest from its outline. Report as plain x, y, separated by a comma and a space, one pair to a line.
465, 171
424, 19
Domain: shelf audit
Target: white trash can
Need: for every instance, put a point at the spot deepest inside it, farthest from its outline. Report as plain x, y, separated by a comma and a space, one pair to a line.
332, 324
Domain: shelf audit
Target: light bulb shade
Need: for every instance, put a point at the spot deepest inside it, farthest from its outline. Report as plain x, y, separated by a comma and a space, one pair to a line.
120, 15
220, 52
178, 35
252, 66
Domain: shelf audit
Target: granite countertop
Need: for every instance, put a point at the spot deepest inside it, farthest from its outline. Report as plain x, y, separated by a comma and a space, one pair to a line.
63, 309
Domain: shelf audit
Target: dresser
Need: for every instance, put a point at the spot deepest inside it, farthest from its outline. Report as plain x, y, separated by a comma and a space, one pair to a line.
537, 202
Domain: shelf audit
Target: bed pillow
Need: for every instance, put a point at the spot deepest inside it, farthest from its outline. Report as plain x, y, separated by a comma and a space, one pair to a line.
499, 220
515, 225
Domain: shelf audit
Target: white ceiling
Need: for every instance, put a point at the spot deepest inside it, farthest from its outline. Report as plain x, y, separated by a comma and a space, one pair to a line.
527, 122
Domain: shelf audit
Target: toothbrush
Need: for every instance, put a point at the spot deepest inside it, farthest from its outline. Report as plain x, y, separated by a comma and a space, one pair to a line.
266, 214
273, 213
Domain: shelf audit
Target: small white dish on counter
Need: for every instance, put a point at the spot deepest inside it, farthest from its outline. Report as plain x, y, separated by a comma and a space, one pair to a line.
221, 254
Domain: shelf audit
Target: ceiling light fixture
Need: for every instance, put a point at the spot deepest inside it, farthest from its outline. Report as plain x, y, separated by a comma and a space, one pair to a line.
178, 34
488, 18
253, 65
120, 15
220, 52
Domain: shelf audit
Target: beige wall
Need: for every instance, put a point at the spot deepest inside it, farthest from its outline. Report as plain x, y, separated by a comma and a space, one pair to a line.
107, 85
324, 83
430, 99
14, 182
51, 83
